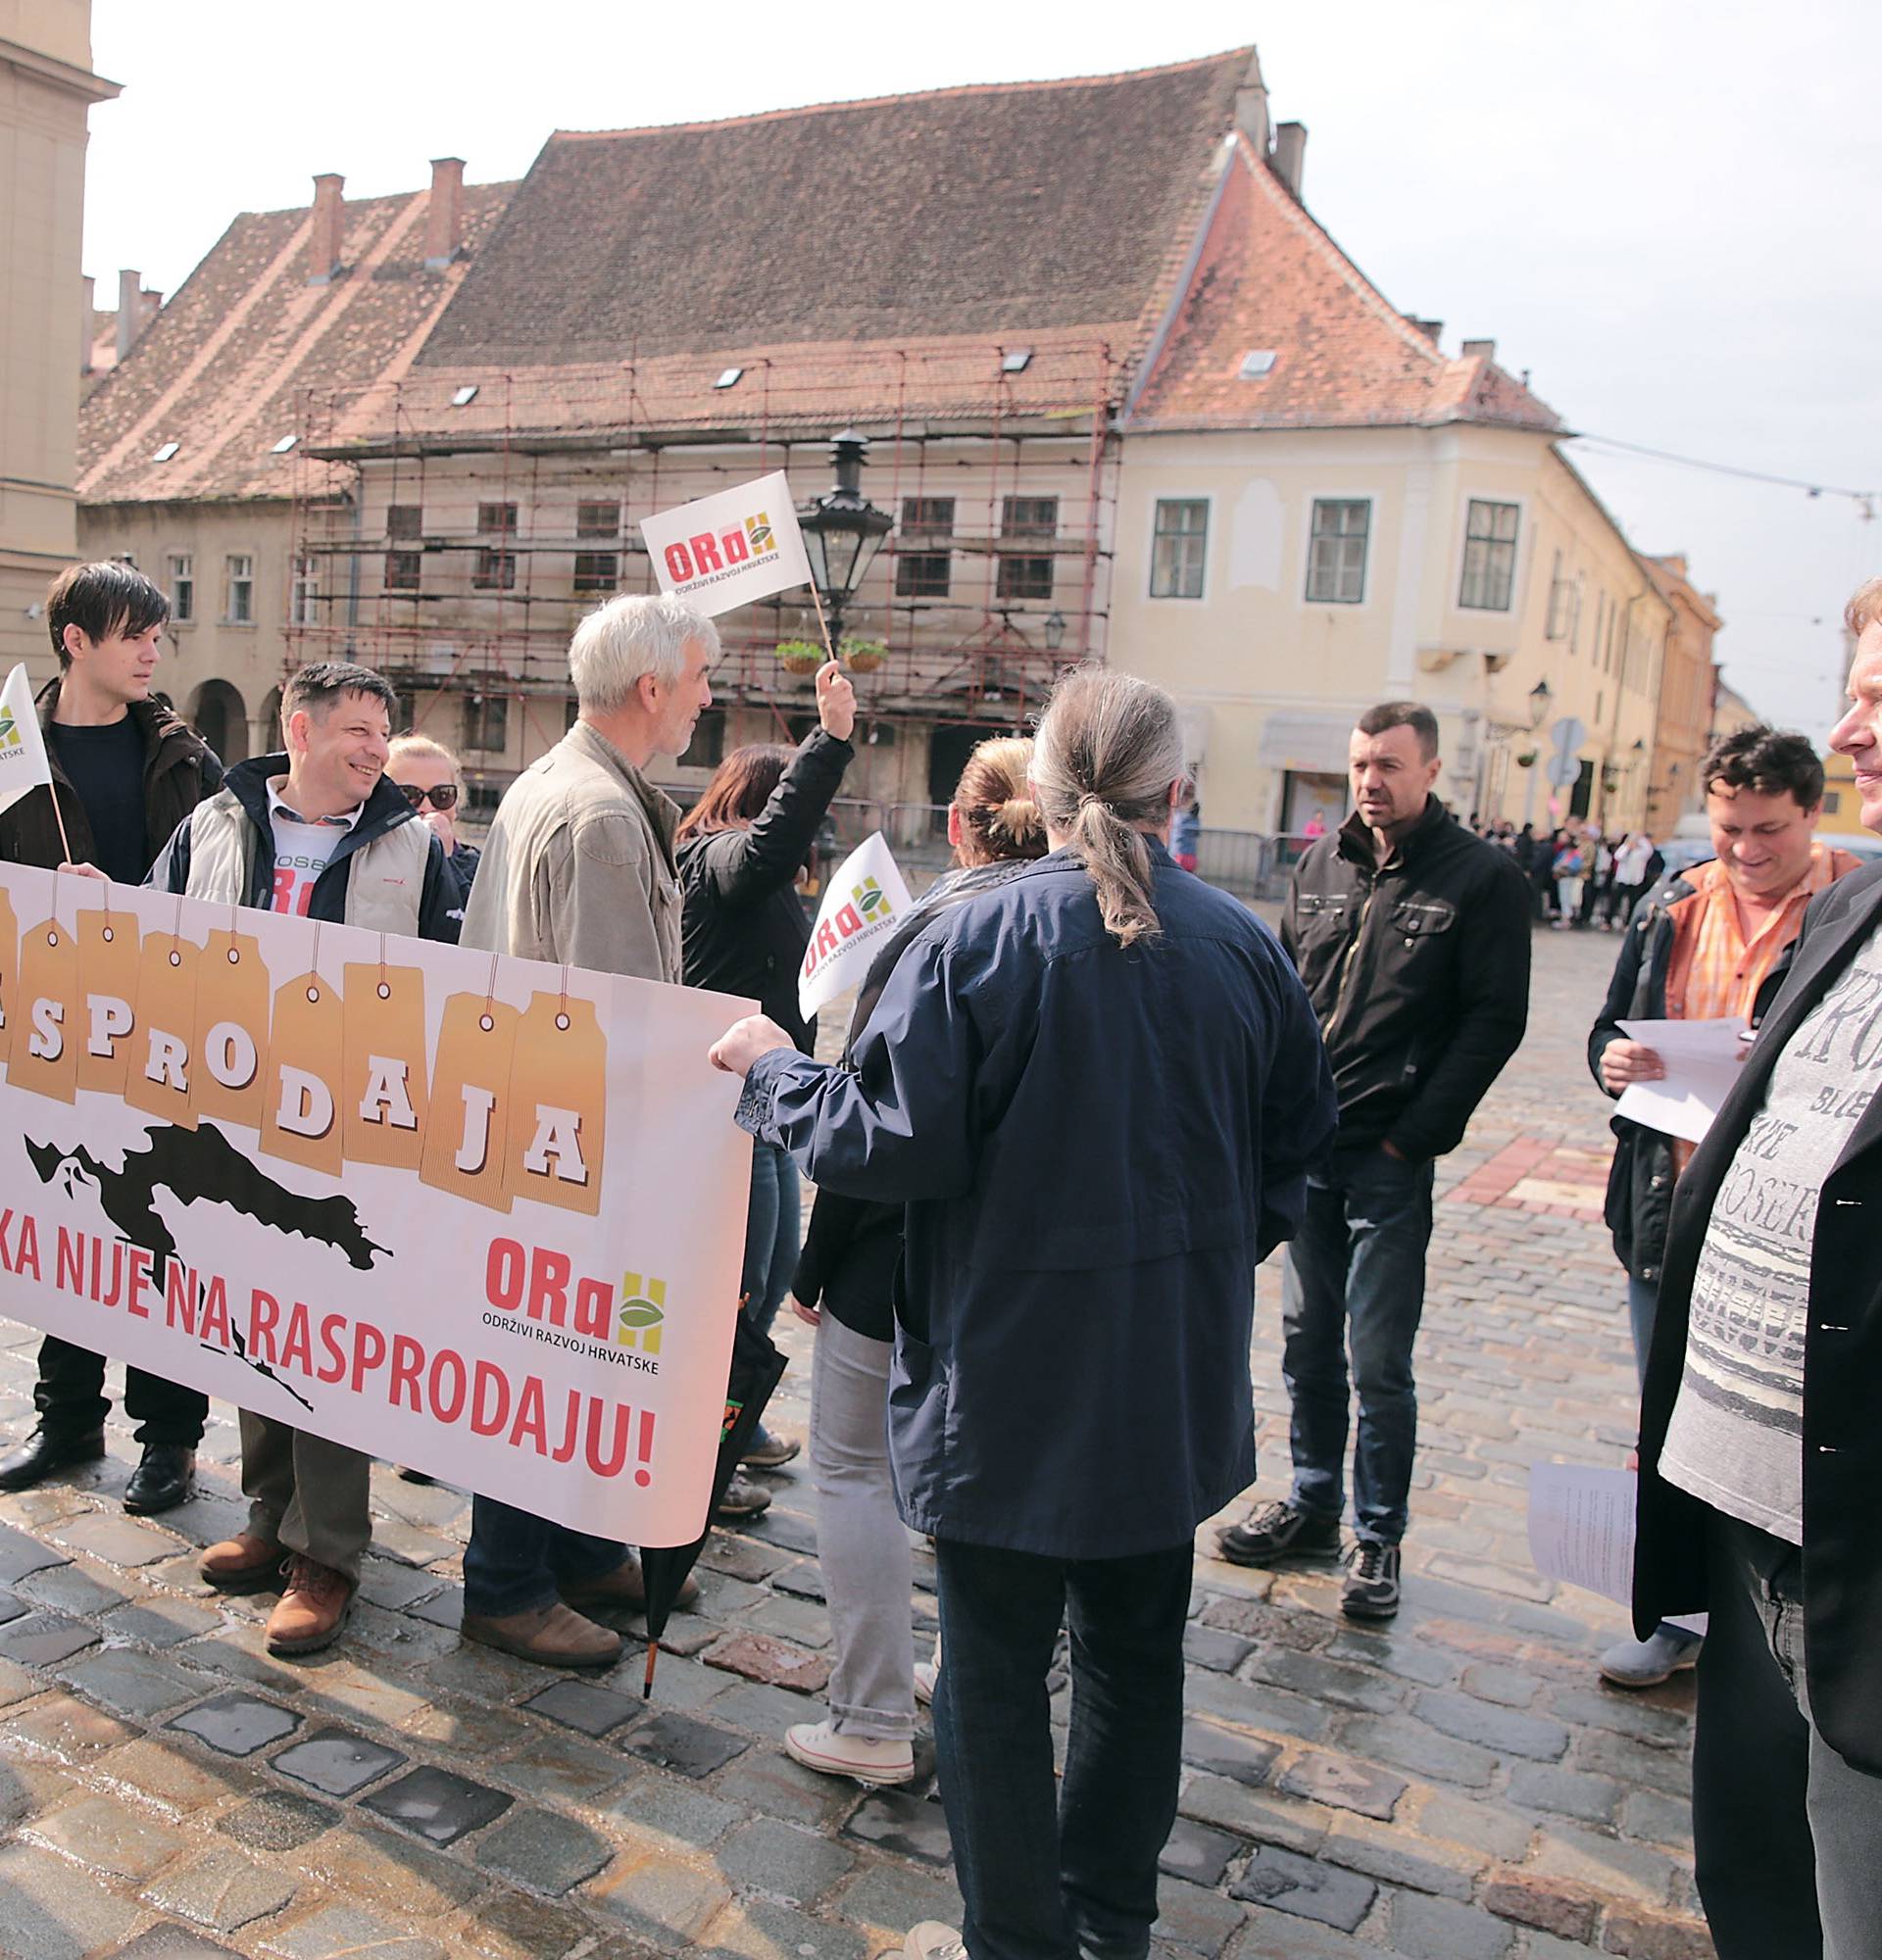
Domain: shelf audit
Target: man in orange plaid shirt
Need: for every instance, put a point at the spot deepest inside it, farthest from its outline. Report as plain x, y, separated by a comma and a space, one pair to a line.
1708, 943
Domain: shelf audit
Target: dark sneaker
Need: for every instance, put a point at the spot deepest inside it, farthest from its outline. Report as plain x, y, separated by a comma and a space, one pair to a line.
1371, 1587
1277, 1531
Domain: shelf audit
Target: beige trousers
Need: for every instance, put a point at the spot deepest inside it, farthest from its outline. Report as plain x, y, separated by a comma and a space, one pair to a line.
306, 1493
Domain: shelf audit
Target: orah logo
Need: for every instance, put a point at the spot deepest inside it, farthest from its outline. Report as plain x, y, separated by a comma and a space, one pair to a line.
9, 732
747, 541
870, 900
642, 1310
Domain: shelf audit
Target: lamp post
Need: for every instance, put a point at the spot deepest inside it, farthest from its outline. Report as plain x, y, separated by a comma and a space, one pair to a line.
842, 530
1540, 695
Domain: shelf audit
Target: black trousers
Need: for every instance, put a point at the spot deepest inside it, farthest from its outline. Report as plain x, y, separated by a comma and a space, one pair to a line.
1050, 1871
1787, 1836
69, 1395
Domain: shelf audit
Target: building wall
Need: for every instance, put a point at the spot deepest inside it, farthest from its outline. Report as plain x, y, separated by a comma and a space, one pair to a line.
1684, 728
1842, 807
45, 89
1273, 679
240, 662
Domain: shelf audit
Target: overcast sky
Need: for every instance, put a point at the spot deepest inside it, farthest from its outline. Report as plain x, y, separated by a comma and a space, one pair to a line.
1666, 212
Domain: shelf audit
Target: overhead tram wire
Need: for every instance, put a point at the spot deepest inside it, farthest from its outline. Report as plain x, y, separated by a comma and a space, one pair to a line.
1864, 499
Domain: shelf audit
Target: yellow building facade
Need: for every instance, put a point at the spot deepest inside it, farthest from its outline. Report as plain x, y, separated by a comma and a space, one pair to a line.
46, 88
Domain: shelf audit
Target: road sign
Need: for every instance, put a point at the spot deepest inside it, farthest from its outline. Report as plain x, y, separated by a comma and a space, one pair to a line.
1566, 736
1565, 770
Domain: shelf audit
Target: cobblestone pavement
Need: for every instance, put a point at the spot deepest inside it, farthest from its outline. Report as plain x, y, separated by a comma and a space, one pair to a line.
1459, 1787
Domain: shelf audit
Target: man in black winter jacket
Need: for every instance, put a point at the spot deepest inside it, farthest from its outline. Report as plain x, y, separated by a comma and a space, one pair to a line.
125, 772
1413, 937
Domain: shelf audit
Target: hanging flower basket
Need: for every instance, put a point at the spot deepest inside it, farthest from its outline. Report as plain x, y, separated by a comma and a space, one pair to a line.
1527, 760
800, 656
864, 656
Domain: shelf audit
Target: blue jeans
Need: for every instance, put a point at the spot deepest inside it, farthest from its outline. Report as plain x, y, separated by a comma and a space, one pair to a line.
1785, 1832
515, 1562
1045, 1872
1354, 1280
772, 1227
1643, 1303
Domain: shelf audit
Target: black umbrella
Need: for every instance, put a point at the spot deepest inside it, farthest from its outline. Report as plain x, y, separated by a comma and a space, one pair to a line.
757, 1368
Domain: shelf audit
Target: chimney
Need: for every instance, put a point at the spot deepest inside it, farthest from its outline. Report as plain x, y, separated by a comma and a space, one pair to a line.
1290, 153
1430, 328
444, 215
153, 303
1475, 350
130, 310
330, 223
1251, 105
86, 308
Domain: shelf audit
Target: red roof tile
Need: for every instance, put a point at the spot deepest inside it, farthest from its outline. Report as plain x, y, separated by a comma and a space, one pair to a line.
1269, 278
225, 368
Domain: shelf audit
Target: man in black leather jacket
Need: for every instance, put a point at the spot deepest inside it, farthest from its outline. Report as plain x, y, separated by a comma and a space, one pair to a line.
1412, 937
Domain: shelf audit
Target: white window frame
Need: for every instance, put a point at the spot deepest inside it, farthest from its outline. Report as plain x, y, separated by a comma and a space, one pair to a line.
1304, 571
1521, 505
1206, 500
245, 580
180, 573
303, 591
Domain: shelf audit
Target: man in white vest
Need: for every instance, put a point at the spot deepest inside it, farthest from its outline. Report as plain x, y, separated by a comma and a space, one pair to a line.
321, 832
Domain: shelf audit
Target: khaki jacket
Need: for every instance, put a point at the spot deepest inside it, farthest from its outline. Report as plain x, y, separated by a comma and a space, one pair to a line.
579, 866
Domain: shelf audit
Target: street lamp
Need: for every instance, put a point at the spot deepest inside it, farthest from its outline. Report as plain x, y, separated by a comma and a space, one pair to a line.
1539, 698
1054, 631
842, 530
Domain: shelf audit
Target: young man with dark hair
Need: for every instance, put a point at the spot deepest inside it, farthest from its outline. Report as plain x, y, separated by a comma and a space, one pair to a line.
125, 772
321, 832
1711, 942
1413, 937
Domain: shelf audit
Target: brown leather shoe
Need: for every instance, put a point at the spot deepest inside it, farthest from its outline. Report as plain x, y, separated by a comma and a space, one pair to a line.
621, 1590
244, 1563
552, 1637
313, 1609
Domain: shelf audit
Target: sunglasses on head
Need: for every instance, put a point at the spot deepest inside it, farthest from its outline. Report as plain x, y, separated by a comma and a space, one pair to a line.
444, 797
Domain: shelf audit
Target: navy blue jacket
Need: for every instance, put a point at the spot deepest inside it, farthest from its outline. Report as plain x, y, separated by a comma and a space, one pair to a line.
1096, 1147
440, 904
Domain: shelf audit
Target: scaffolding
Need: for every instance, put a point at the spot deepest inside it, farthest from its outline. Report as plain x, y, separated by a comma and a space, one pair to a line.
450, 527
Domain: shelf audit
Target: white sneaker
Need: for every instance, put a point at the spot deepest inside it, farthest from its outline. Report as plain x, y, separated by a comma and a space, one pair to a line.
926, 1674
870, 1759
931, 1940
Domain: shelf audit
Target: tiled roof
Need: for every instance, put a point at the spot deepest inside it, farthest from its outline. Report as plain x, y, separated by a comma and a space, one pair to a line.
224, 370
992, 212
1270, 278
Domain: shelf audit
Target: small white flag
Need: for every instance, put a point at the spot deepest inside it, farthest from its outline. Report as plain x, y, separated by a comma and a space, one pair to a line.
24, 765
864, 902
729, 548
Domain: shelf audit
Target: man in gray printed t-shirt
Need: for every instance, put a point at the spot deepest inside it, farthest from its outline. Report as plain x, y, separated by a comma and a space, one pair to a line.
1736, 1441
1760, 1436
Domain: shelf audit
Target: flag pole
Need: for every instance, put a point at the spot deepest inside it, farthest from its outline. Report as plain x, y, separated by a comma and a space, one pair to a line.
52, 790
816, 600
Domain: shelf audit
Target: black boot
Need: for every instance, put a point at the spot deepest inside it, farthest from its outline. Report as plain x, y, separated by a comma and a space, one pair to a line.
42, 1454
162, 1480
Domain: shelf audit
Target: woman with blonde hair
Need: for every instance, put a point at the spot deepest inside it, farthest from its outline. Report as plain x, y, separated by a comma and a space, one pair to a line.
842, 1286
1098, 1089
431, 778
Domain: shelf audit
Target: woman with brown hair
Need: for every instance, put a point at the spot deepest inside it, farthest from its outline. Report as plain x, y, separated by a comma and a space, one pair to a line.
842, 1287
743, 931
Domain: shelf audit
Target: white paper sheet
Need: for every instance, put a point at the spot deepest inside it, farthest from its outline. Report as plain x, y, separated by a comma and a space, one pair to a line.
1581, 1530
1702, 1059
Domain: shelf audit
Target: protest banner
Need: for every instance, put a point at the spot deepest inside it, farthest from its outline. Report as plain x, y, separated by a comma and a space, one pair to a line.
863, 902
731, 548
478, 1216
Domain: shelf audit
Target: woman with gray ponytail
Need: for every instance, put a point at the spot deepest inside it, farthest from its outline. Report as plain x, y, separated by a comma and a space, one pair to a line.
1109, 752
1090, 1181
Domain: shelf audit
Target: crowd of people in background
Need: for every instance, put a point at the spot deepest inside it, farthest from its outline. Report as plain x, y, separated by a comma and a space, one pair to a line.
1029, 1171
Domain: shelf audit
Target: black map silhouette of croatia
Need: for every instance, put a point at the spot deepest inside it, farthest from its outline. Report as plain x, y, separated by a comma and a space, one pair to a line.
202, 1166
